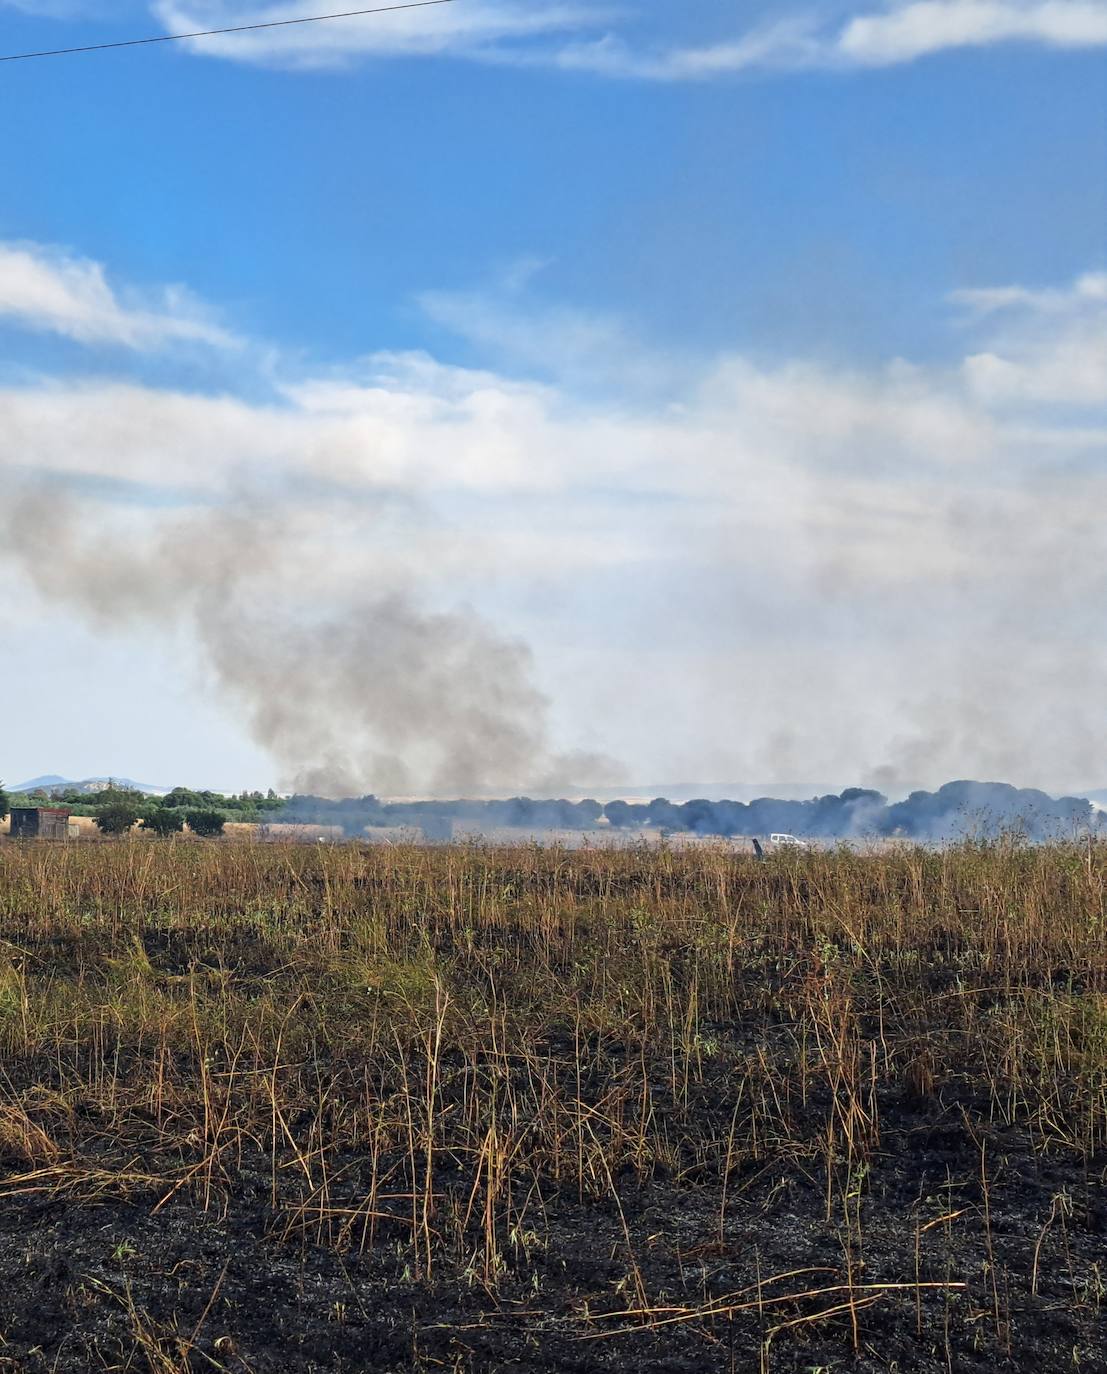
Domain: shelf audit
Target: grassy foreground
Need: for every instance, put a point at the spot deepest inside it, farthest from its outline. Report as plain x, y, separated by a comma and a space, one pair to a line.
266, 1107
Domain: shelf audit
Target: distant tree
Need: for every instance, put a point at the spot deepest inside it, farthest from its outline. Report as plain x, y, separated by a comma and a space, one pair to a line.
164, 821
209, 824
182, 796
119, 796
5, 804
116, 818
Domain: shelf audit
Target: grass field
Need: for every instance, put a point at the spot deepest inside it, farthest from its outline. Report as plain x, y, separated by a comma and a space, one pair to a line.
268, 1107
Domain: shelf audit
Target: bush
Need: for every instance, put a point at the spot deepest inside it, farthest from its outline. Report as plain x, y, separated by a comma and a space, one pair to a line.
5, 805
116, 818
164, 821
206, 823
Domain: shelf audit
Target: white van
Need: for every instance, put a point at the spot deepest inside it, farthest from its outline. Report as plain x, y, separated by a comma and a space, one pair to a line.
789, 842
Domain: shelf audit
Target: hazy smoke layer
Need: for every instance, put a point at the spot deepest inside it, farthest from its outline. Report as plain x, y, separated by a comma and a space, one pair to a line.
367, 689
956, 810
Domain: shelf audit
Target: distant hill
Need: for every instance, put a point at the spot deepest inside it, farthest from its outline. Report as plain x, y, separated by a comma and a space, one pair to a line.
49, 781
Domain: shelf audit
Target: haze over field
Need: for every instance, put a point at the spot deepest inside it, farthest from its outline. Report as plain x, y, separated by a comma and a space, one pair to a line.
738, 411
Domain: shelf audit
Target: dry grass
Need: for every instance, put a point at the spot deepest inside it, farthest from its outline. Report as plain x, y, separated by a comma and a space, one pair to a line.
425, 1047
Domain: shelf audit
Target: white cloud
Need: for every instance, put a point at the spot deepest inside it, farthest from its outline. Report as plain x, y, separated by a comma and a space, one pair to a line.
587, 351
48, 290
464, 28
1047, 347
568, 36
915, 30
791, 43
1087, 292
900, 33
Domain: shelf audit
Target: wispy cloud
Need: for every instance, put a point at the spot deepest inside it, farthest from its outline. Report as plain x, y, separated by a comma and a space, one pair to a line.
907, 32
1087, 294
51, 291
1046, 346
468, 28
568, 36
897, 34
788, 44
508, 324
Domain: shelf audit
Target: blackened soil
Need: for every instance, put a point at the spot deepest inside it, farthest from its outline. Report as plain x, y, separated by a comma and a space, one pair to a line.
1019, 1274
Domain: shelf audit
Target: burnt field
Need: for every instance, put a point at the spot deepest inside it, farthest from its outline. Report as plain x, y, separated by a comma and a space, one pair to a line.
269, 1108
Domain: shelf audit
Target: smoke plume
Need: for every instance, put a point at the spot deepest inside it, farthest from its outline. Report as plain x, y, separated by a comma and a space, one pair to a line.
363, 687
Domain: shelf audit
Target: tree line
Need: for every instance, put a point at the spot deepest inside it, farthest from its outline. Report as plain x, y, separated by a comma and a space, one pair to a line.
118, 810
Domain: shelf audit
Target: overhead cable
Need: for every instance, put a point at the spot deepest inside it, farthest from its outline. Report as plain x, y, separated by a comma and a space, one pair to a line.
215, 33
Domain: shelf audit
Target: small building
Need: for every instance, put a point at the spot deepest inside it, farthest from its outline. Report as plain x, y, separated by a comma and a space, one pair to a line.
40, 823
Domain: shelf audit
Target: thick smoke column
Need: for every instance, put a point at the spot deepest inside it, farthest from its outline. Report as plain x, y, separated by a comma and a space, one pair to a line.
351, 690
955, 811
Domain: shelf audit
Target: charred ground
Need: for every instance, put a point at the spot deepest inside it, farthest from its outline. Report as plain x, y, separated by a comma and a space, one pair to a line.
273, 1108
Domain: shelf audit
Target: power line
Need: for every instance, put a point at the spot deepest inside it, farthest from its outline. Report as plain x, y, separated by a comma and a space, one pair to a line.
214, 33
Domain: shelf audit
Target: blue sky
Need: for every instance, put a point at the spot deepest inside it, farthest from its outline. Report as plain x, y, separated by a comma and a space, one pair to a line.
744, 362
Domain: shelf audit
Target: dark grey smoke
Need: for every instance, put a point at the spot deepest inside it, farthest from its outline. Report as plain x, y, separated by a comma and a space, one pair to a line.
356, 689
442, 820
955, 811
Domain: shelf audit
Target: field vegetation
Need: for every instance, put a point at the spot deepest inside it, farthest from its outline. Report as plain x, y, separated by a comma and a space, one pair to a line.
274, 1107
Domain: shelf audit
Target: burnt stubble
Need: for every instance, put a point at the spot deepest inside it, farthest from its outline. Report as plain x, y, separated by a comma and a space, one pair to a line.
268, 1107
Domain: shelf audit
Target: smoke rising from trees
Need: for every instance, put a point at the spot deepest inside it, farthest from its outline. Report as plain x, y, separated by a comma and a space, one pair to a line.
955, 811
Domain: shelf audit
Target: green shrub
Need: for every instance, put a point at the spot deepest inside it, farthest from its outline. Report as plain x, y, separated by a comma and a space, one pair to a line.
164, 821
116, 818
206, 823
